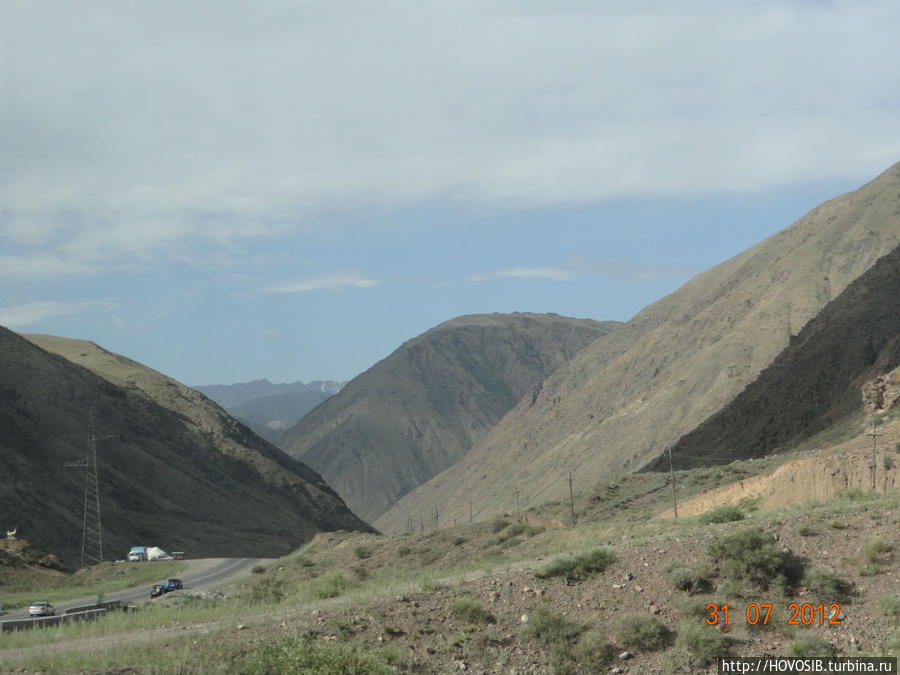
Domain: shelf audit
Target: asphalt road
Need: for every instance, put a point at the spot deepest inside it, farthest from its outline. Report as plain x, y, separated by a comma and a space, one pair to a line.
201, 574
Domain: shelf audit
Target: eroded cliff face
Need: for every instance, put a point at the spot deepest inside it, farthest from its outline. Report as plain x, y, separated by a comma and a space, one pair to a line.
882, 394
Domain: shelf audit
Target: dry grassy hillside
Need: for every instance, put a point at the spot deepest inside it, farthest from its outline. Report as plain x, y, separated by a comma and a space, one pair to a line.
619, 402
419, 410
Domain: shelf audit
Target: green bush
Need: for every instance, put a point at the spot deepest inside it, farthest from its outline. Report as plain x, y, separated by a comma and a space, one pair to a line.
265, 591
807, 531
305, 657
890, 605
727, 513
331, 585
469, 611
578, 567
688, 579
754, 555
499, 524
458, 541
810, 645
828, 585
643, 632
404, 551
549, 628
876, 549
703, 642
362, 552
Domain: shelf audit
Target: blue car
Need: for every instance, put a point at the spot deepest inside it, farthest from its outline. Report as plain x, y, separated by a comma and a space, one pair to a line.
174, 585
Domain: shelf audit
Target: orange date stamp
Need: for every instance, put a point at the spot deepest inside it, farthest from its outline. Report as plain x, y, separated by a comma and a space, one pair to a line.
760, 614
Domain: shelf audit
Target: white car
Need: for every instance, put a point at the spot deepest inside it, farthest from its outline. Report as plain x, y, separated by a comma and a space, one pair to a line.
41, 609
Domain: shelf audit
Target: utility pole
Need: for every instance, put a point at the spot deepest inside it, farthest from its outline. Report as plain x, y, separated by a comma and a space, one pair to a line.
672, 478
91, 528
874, 434
571, 500
518, 512
470, 510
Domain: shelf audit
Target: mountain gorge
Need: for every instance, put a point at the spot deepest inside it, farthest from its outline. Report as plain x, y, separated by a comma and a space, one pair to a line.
174, 469
618, 403
815, 383
422, 408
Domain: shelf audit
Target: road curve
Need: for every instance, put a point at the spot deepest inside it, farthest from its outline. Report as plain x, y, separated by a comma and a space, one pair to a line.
199, 575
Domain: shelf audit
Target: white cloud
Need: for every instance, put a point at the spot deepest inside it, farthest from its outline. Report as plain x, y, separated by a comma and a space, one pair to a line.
535, 273
17, 316
331, 282
152, 125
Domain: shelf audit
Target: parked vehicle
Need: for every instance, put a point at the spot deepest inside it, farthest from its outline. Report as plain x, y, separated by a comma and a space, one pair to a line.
41, 609
158, 590
137, 554
174, 584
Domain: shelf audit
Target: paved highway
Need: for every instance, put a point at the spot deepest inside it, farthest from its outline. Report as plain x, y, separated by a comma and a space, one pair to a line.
202, 574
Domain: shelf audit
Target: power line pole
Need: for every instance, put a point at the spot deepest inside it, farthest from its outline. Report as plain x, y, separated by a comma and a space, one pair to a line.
571, 500
518, 512
91, 527
874, 434
470, 509
672, 478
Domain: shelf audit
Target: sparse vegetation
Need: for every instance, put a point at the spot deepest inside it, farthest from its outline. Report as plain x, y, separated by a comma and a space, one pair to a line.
470, 611
307, 657
688, 579
578, 567
362, 552
810, 645
829, 585
727, 513
754, 555
702, 642
643, 632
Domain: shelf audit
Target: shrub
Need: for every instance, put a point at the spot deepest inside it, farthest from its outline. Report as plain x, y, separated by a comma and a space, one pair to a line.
306, 657
549, 628
688, 579
888, 462
404, 551
829, 585
469, 611
258, 569
576, 568
755, 556
810, 645
876, 548
362, 552
807, 531
703, 642
890, 605
458, 541
332, 585
533, 530
592, 649
643, 632
267, 590
727, 513
499, 524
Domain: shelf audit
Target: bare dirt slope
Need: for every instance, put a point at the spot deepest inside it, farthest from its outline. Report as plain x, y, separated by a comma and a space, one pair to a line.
623, 399
422, 408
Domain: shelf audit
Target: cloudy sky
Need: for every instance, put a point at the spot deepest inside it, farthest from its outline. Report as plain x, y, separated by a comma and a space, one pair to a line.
228, 190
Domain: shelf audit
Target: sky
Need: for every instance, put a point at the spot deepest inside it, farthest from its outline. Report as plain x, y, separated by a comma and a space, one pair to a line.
227, 191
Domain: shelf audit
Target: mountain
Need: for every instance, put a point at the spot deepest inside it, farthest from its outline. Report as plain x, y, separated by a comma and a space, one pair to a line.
233, 395
623, 399
270, 416
175, 470
815, 382
422, 408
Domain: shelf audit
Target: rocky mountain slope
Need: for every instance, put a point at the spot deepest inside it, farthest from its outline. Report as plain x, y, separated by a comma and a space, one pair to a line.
816, 382
622, 400
175, 470
422, 408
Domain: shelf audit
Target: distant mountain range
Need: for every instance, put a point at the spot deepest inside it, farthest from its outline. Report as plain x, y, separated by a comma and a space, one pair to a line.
270, 409
622, 400
421, 409
175, 470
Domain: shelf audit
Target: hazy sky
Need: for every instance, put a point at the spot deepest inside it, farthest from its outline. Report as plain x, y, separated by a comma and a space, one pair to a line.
231, 190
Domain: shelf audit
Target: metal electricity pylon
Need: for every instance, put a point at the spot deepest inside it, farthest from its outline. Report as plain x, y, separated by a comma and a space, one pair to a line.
92, 529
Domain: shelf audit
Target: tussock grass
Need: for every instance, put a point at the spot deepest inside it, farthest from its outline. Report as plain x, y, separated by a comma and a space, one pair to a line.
578, 567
